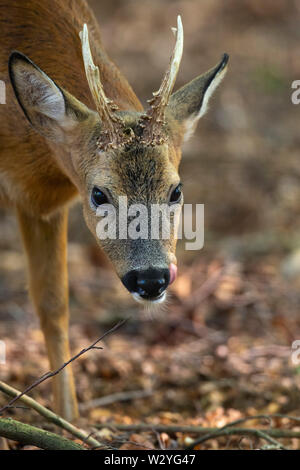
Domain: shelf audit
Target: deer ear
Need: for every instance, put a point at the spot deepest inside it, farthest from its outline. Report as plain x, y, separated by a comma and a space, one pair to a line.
190, 102
50, 110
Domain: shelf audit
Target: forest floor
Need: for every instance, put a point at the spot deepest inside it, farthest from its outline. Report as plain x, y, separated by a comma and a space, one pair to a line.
221, 350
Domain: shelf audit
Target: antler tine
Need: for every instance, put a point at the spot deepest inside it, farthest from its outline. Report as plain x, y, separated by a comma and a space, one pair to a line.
168, 82
155, 114
112, 124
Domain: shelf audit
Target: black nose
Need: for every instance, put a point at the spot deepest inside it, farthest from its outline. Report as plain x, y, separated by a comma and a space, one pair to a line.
149, 284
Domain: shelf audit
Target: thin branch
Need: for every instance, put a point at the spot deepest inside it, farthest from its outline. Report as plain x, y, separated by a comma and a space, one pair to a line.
268, 417
114, 398
57, 371
173, 428
50, 416
31, 435
223, 430
268, 434
262, 433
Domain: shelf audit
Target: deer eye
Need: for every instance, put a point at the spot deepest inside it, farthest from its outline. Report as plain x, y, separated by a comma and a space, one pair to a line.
176, 194
98, 197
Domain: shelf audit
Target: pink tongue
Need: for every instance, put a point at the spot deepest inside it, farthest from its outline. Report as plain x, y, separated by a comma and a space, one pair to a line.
173, 273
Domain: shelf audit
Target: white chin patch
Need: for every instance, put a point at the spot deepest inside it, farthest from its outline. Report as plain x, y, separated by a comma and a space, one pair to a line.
141, 300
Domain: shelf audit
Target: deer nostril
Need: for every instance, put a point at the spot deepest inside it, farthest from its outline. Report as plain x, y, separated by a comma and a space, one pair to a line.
149, 283
152, 283
141, 291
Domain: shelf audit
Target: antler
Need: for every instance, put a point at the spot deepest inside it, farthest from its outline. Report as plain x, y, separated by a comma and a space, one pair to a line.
156, 113
112, 134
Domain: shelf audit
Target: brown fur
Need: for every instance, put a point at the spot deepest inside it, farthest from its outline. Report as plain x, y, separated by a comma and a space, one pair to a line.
40, 176
37, 22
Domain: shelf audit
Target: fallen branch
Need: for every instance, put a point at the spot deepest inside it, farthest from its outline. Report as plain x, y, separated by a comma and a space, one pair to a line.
267, 417
30, 435
173, 428
49, 415
114, 398
57, 371
269, 434
263, 433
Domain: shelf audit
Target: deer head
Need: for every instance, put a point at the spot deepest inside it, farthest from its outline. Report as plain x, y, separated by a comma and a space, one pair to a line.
109, 153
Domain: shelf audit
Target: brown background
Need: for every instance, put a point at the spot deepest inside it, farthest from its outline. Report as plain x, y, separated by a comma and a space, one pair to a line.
229, 348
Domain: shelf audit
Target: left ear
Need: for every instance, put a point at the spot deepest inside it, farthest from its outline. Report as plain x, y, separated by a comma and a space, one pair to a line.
51, 111
190, 102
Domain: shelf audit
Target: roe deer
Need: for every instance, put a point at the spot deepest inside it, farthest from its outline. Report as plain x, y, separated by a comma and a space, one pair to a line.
83, 131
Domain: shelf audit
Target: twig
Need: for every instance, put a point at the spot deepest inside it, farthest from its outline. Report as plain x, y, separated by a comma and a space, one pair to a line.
30, 435
262, 433
49, 415
115, 397
229, 430
57, 371
268, 417
173, 428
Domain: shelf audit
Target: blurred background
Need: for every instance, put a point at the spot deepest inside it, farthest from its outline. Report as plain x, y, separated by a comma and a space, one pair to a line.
221, 347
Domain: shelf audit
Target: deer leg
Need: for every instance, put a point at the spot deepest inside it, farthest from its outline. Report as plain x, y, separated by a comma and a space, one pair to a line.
45, 242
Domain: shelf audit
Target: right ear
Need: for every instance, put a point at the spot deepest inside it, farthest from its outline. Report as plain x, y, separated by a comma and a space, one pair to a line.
190, 102
51, 111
